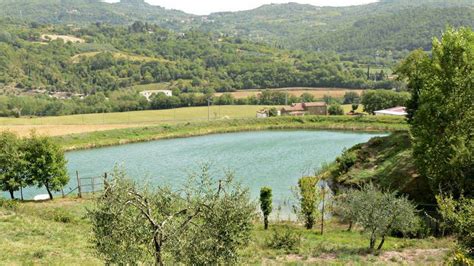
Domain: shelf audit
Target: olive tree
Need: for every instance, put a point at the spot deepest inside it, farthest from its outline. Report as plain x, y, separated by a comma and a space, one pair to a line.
266, 204
205, 222
11, 163
381, 213
45, 164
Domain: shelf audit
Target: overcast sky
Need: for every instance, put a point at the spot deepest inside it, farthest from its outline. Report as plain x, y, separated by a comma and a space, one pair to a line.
204, 7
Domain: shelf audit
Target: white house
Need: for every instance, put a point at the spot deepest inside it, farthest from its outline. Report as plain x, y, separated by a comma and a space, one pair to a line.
148, 94
397, 111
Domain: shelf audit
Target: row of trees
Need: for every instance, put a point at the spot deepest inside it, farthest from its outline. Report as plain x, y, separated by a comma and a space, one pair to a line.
34, 161
122, 101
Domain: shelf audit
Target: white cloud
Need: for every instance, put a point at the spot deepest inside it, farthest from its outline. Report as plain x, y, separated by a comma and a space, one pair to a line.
204, 7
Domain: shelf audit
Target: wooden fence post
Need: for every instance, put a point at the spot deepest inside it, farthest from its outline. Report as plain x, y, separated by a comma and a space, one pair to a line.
105, 181
92, 184
79, 194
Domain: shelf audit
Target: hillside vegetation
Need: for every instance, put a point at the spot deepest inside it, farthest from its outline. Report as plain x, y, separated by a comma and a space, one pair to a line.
389, 26
385, 161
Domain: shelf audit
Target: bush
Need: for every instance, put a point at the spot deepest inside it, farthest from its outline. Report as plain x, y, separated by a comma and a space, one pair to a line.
285, 239
9, 205
346, 161
335, 109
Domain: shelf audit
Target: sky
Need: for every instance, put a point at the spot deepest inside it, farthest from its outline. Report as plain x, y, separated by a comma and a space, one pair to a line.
204, 7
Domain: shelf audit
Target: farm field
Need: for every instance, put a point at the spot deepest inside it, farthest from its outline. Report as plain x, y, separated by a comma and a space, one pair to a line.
64, 125
75, 124
57, 232
318, 93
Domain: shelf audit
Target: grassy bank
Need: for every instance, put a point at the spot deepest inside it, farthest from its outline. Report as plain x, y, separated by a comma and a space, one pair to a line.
147, 133
58, 232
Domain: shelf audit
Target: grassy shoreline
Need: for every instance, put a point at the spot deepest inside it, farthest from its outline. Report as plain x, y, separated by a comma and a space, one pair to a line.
191, 129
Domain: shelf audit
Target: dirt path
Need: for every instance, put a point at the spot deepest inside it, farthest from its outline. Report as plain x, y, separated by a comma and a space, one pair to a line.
405, 257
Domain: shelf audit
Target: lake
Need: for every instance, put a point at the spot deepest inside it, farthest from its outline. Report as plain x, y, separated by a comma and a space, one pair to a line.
266, 158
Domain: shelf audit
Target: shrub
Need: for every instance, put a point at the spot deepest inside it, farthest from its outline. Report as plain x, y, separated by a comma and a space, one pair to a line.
346, 161
285, 239
335, 109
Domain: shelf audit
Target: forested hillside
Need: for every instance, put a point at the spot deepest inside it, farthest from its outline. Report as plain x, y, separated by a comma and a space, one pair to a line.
107, 58
390, 27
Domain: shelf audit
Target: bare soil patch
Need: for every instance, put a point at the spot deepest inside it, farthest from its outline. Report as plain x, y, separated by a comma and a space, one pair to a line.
60, 130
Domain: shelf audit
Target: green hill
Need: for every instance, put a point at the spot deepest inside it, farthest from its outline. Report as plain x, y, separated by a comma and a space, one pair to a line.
385, 161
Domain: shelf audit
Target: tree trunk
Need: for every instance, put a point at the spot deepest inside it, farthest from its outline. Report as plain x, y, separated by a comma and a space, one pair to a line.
265, 222
158, 260
12, 195
350, 226
49, 192
372, 241
21, 193
381, 243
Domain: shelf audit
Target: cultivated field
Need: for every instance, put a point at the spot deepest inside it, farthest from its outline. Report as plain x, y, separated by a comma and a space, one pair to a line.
318, 93
64, 125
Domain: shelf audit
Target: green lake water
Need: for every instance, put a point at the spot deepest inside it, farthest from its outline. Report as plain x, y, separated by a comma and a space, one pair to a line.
266, 158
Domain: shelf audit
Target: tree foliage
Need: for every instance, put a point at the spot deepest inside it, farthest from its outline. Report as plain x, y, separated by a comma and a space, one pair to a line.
45, 163
442, 126
374, 100
266, 204
459, 216
308, 198
11, 163
378, 213
205, 222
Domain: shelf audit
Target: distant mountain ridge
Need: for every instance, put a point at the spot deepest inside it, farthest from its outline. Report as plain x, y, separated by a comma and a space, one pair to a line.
391, 26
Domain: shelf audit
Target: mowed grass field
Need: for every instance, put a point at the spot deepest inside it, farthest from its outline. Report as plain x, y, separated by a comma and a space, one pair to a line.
318, 93
64, 125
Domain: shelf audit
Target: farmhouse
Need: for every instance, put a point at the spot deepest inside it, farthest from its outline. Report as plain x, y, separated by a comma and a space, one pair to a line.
396, 111
148, 94
301, 109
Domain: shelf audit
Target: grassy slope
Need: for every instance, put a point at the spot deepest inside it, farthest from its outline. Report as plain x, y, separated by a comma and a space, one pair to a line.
57, 232
122, 136
388, 162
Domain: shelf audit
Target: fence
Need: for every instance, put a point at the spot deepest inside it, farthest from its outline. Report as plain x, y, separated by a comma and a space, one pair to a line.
89, 185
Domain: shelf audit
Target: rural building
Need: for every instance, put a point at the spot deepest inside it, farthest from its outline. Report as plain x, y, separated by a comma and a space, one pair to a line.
301, 109
396, 111
148, 94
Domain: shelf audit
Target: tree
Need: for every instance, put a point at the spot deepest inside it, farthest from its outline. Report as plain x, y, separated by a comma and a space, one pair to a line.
11, 163
344, 208
380, 213
410, 69
45, 163
308, 200
442, 126
205, 222
374, 100
351, 97
266, 204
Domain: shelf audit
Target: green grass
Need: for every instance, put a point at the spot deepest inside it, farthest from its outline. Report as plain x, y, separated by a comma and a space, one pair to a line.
122, 136
58, 232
